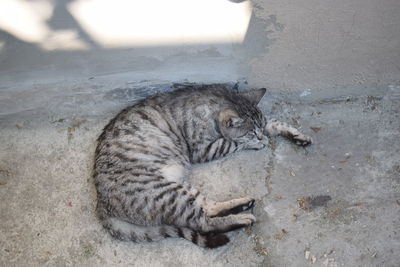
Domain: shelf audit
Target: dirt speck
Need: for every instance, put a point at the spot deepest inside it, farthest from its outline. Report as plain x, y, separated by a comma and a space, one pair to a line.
88, 250
315, 129
260, 249
70, 133
76, 123
5, 175
280, 235
58, 120
311, 202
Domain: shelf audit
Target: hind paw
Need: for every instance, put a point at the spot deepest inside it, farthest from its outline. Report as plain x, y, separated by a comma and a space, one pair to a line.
245, 219
243, 207
302, 140
233, 206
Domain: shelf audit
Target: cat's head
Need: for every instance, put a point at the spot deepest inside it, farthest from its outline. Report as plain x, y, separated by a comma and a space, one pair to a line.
244, 122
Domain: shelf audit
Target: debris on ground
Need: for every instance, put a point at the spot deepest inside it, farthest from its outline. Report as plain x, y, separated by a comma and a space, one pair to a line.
259, 248
335, 212
59, 120
331, 252
88, 250
70, 132
76, 123
313, 259
329, 262
295, 217
307, 254
315, 129
295, 121
358, 204
311, 202
4, 176
248, 230
292, 173
281, 234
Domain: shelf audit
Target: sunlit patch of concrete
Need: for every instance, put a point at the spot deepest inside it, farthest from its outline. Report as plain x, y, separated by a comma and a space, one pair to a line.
81, 24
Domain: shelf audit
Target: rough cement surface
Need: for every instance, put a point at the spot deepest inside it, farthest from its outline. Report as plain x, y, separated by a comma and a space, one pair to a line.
47, 197
320, 44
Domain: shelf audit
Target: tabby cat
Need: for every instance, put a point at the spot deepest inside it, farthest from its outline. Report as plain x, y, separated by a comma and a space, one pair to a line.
145, 153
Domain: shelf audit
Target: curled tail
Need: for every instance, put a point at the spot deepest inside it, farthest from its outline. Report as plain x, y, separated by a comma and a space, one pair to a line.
130, 232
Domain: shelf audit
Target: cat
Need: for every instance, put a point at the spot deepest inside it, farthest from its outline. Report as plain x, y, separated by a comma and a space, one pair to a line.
145, 153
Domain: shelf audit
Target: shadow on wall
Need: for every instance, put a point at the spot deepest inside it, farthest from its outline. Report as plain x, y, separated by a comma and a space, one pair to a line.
101, 37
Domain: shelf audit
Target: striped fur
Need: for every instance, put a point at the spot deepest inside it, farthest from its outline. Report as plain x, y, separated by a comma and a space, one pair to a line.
145, 153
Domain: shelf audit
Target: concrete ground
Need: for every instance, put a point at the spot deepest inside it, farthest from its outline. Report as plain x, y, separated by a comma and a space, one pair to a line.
333, 68
47, 197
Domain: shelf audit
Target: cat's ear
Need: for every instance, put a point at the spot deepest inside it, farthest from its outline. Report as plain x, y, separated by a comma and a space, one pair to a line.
254, 95
230, 119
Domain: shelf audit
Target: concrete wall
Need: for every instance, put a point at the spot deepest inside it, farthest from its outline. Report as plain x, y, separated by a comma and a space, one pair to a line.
291, 44
326, 44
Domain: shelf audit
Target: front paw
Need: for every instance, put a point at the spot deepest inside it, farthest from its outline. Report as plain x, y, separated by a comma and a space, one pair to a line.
302, 140
256, 145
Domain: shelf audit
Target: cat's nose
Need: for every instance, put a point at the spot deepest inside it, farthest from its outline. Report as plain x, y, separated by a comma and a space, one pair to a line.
259, 134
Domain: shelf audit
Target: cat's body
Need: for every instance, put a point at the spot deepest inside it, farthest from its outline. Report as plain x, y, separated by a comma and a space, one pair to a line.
144, 157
